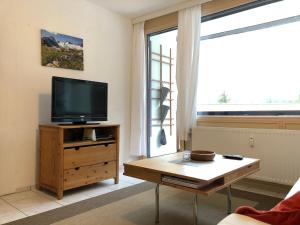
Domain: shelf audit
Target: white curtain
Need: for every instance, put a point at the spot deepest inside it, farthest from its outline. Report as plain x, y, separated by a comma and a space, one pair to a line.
188, 47
138, 93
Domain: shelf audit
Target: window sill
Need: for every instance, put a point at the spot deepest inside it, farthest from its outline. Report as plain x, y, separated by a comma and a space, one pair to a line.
263, 122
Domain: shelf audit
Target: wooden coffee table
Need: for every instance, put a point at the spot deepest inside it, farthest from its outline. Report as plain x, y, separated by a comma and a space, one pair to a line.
209, 176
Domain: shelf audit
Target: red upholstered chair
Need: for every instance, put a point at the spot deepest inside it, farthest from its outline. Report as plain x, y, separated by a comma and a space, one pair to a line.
287, 212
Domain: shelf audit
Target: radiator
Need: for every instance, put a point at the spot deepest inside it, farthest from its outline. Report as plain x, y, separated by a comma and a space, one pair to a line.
278, 150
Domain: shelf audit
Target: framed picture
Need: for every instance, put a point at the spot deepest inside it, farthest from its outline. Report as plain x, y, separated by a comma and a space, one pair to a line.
61, 51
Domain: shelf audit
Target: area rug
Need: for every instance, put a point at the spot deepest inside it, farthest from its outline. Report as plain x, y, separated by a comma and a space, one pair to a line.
135, 206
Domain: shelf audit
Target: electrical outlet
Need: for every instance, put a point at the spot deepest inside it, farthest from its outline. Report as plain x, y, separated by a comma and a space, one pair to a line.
251, 142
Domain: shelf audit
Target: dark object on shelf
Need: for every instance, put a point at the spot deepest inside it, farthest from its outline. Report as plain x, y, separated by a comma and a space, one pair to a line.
105, 137
164, 93
162, 137
200, 155
236, 157
164, 112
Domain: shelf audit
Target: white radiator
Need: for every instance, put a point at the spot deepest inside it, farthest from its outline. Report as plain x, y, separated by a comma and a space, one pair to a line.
278, 150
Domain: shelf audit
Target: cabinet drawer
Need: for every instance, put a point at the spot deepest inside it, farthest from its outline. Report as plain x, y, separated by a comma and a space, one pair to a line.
89, 155
89, 174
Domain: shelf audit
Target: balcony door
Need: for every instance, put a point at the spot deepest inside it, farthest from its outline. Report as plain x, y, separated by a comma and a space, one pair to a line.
161, 93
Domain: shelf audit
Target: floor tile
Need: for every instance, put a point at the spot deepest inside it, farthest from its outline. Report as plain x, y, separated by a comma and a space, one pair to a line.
20, 205
76, 195
72, 196
130, 180
96, 190
47, 194
9, 213
19, 196
85, 192
120, 185
30, 202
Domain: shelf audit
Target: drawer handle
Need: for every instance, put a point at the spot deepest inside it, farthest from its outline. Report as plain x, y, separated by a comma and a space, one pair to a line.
77, 148
106, 145
77, 168
105, 163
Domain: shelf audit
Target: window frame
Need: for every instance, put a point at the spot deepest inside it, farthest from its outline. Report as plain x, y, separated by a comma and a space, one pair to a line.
279, 22
214, 9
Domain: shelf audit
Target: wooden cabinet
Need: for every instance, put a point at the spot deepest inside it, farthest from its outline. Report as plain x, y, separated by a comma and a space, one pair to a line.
67, 161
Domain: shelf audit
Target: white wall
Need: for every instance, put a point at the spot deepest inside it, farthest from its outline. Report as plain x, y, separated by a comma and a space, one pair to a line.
25, 84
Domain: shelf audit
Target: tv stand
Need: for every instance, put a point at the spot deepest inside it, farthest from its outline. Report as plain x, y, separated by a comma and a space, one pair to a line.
68, 161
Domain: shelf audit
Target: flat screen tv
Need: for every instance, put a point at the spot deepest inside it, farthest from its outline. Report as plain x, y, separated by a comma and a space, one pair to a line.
78, 101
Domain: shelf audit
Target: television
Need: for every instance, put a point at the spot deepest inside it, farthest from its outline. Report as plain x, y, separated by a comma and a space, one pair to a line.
78, 101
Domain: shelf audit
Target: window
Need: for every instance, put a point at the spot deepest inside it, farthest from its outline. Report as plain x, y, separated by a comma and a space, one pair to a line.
250, 62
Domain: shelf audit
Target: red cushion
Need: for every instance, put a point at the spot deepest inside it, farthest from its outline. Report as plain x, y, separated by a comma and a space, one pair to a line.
286, 212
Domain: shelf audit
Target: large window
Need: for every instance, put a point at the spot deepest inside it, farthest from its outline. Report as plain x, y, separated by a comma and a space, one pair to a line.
250, 62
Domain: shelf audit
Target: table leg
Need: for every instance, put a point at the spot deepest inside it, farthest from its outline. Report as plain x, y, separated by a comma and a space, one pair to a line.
157, 204
229, 199
195, 209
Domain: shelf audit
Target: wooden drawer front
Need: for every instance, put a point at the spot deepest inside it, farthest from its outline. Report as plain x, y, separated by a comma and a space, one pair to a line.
89, 155
89, 174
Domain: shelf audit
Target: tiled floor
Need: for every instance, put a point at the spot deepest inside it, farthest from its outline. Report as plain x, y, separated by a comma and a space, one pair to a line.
28, 203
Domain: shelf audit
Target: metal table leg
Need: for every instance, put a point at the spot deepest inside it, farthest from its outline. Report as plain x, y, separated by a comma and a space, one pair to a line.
195, 209
157, 204
229, 199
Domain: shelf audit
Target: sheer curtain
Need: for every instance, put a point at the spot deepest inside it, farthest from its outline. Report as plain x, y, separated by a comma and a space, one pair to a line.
188, 47
138, 93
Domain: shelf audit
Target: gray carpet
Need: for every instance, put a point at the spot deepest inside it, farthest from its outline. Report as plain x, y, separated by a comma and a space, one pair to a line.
135, 206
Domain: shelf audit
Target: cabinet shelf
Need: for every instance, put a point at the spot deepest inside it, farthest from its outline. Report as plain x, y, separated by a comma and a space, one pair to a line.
87, 143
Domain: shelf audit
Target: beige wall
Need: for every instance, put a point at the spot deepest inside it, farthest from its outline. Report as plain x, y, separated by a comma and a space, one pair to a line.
25, 84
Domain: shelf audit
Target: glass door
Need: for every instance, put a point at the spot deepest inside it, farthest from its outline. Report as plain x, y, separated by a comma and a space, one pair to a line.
161, 93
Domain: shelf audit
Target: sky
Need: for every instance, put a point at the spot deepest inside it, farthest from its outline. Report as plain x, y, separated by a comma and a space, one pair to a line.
62, 37
254, 68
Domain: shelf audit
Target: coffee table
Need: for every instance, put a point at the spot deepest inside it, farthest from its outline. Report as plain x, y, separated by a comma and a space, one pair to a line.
209, 176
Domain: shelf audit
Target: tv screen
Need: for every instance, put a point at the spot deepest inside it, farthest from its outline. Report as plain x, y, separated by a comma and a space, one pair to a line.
78, 101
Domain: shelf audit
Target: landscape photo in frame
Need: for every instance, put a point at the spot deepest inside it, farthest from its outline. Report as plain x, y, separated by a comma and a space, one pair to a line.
61, 51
